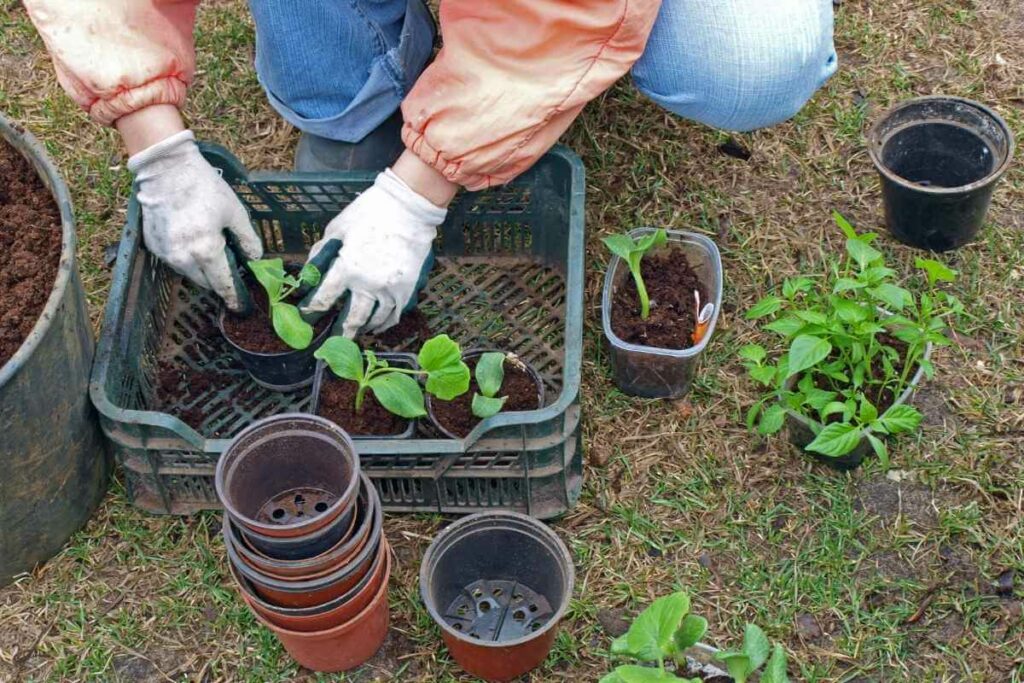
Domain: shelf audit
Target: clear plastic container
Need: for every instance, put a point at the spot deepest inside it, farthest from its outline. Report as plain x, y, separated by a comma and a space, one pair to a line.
648, 371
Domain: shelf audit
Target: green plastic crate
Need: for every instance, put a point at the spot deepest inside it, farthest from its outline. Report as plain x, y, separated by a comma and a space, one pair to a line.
509, 275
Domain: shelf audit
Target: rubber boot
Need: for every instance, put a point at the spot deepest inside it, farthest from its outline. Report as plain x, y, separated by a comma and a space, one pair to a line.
375, 152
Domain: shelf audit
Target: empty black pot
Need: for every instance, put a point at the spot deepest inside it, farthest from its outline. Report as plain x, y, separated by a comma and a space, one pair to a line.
939, 159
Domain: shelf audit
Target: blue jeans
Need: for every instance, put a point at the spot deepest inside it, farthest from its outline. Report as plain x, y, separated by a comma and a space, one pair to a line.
339, 68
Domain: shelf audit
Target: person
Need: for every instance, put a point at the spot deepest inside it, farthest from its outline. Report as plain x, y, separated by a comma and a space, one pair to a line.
510, 78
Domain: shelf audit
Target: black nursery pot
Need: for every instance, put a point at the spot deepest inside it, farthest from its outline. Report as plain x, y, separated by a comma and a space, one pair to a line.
285, 371
497, 584
939, 159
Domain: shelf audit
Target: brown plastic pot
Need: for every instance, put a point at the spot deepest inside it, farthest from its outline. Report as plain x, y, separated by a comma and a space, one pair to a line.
285, 568
497, 583
309, 592
342, 647
470, 355
330, 614
277, 465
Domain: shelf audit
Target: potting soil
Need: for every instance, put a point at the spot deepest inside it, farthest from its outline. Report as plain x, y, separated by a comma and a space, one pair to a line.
255, 332
337, 404
670, 282
457, 415
30, 246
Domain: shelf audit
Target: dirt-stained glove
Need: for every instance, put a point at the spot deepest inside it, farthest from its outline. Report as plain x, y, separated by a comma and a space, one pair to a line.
386, 235
186, 206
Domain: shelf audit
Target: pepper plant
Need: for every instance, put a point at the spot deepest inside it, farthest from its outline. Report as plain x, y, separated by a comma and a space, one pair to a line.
279, 285
851, 339
632, 252
396, 388
662, 634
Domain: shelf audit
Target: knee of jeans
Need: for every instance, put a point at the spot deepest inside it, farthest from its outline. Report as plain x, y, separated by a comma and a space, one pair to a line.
739, 97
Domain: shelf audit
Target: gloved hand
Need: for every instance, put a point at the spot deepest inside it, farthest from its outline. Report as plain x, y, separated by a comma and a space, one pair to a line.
186, 205
386, 235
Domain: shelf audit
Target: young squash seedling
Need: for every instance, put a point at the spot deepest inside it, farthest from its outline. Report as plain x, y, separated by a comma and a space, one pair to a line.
395, 388
663, 633
632, 252
279, 285
840, 332
490, 375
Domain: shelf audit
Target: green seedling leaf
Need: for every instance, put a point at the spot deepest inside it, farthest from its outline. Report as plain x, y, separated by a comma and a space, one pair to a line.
868, 412
775, 671
862, 253
763, 374
490, 373
486, 406
620, 245
399, 394
896, 299
846, 284
449, 382
835, 440
766, 306
753, 353
737, 664
900, 418
788, 327
880, 449
818, 398
772, 420
796, 285
309, 275
654, 239
343, 357
649, 638
812, 317
631, 673
850, 311
689, 632
936, 271
844, 225
806, 351
290, 327
270, 274
439, 353
755, 646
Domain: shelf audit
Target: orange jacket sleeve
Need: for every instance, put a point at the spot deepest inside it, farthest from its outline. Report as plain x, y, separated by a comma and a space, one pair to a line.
116, 56
512, 76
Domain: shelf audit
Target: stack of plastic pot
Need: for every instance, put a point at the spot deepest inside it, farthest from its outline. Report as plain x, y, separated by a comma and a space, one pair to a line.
304, 536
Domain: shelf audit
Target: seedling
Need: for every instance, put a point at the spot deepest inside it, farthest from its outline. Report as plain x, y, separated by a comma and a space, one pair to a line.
632, 252
490, 374
279, 285
396, 388
663, 633
838, 330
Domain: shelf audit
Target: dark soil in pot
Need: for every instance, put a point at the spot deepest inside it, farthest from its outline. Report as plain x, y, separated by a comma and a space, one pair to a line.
30, 246
337, 403
670, 282
522, 385
255, 332
408, 335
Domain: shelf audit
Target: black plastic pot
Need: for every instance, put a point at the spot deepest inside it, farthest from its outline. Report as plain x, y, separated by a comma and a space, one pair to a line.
803, 430
285, 371
648, 371
289, 477
497, 584
468, 356
55, 463
323, 374
939, 159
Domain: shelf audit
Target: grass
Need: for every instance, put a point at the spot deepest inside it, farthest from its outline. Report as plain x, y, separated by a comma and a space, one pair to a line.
861, 576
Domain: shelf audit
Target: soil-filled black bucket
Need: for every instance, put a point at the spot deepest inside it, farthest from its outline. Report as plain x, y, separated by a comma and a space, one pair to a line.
290, 477
939, 159
285, 371
497, 583
53, 461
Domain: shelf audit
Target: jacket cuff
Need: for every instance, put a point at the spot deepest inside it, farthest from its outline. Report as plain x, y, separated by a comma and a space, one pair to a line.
164, 90
416, 143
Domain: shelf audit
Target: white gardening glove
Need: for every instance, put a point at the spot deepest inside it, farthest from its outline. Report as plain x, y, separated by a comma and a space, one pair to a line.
386, 234
186, 205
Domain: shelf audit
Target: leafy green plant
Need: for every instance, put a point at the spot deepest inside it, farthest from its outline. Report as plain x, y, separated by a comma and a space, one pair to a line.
279, 285
666, 630
490, 375
853, 339
632, 252
396, 388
